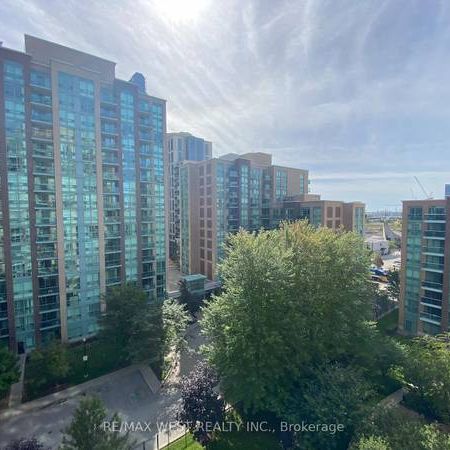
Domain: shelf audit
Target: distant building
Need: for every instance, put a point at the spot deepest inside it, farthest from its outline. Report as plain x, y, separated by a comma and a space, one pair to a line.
224, 194
377, 244
325, 213
425, 273
180, 147
82, 191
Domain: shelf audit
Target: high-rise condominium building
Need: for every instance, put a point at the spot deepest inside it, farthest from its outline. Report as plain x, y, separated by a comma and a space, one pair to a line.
180, 147
223, 194
425, 274
82, 190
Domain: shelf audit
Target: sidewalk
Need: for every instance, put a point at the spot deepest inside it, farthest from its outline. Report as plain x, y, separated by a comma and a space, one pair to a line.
58, 397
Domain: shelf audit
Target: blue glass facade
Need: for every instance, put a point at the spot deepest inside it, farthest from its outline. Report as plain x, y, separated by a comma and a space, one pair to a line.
19, 214
80, 208
82, 199
424, 302
127, 121
45, 204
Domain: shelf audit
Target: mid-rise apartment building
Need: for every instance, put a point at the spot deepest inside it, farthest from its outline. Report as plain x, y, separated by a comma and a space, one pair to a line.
223, 194
324, 213
180, 147
82, 204
425, 273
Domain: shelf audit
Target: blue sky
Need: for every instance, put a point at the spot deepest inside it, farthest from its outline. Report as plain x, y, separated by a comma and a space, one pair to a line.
356, 91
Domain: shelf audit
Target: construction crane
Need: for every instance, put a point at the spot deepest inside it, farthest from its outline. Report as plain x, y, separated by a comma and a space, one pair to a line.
428, 196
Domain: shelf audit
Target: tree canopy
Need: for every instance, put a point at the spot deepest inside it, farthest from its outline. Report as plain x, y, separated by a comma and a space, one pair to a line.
201, 406
395, 429
292, 298
426, 374
88, 431
132, 326
175, 322
9, 370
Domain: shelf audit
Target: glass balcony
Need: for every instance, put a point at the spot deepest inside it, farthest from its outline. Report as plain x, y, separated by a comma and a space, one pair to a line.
430, 317
40, 99
434, 234
45, 134
109, 128
41, 116
435, 218
432, 285
431, 302
108, 113
438, 267
40, 79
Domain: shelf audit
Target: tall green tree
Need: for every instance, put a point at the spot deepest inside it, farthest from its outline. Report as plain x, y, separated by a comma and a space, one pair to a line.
395, 429
332, 395
292, 298
50, 365
191, 302
91, 429
175, 322
394, 284
9, 370
426, 374
372, 443
132, 326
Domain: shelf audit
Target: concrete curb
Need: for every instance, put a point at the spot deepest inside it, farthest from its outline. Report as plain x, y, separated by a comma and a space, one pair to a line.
58, 397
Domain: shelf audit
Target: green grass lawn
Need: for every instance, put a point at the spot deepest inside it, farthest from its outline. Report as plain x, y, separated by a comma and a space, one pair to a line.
245, 441
184, 443
231, 441
100, 362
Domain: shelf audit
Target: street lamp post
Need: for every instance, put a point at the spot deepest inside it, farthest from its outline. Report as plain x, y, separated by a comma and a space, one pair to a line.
85, 358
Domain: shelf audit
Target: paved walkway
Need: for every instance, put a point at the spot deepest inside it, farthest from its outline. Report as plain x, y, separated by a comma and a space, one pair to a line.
133, 392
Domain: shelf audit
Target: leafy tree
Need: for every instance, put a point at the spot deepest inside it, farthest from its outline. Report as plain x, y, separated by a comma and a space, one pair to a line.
25, 444
186, 298
398, 430
372, 443
50, 365
292, 298
57, 360
426, 374
88, 431
9, 371
377, 356
201, 404
382, 302
175, 322
132, 326
394, 284
332, 394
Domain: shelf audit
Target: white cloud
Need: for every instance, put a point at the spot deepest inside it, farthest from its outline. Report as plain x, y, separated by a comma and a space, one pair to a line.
356, 88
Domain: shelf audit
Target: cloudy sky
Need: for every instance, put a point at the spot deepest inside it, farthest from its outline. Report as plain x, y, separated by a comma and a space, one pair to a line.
358, 92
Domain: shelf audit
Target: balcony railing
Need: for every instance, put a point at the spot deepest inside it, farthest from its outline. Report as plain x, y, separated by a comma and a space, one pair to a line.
433, 317
432, 285
433, 266
434, 234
